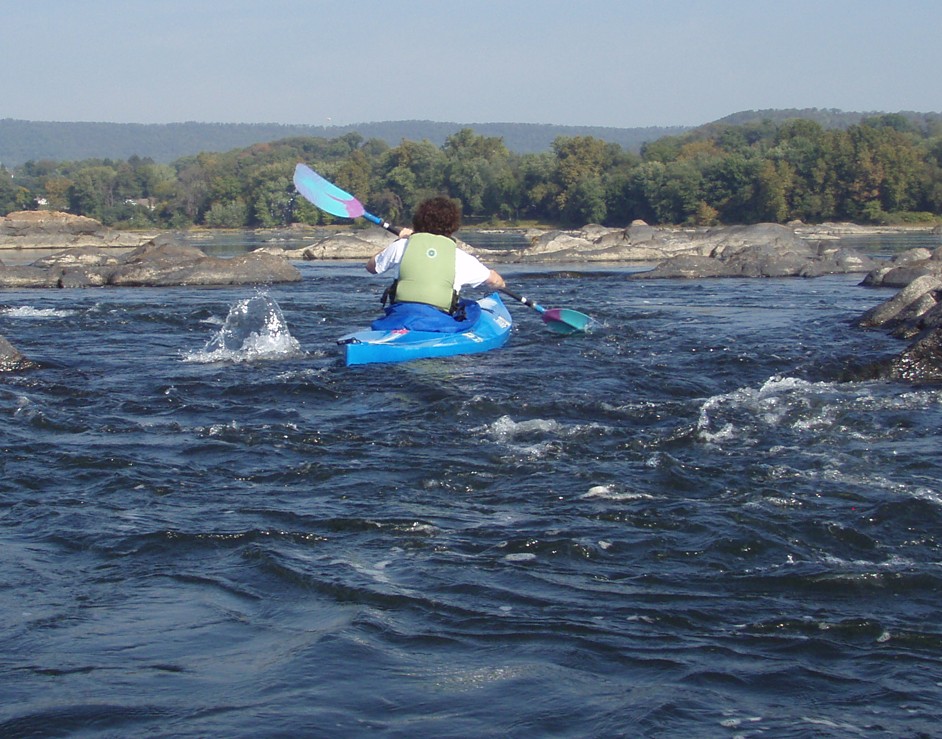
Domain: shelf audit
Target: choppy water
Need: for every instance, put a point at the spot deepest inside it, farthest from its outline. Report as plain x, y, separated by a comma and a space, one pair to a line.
687, 523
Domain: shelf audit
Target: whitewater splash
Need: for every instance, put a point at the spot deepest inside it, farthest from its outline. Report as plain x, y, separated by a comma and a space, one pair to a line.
255, 329
812, 411
30, 312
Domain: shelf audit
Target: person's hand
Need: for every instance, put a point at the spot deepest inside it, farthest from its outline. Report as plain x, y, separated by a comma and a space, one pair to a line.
404, 232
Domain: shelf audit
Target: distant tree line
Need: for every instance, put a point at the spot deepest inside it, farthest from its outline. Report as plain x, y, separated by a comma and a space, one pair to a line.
884, 169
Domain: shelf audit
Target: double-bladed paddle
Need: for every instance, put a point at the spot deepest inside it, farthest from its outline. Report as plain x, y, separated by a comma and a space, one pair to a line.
331, 199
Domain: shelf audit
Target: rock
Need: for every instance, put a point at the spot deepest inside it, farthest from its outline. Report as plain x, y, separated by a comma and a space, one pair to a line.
915, 312
921, 361
906, 306
762, 250
343, 246
21, 276
160, 262
80, 256
10, 358
906, 267
558, 243
689, 266
175, 264
360, 245
45, 229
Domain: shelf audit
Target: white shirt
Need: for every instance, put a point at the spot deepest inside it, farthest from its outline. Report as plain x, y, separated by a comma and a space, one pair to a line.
468, 269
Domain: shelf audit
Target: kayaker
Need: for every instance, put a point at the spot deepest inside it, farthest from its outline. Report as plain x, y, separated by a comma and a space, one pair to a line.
429, 271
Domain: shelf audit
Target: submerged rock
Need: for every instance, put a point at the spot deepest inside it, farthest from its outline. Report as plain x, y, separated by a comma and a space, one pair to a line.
11, 360
921, 361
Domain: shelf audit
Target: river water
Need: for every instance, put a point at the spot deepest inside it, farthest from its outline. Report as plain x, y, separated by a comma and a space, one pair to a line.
692, 521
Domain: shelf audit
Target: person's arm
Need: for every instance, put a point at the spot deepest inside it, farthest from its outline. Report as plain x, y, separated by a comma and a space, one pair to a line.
385, 258
470, 271
495, 280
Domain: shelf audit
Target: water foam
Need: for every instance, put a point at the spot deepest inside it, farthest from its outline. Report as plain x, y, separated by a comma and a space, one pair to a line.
27, 311
255, 329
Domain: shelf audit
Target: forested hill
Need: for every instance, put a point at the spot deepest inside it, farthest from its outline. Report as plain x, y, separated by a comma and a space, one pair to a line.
829, 118
23, 141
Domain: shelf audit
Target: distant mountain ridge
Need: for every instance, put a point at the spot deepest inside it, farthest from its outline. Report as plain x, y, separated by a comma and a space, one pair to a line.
22, 141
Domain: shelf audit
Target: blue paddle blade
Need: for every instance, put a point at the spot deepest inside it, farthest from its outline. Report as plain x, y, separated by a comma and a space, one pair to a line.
565, 320
326, 195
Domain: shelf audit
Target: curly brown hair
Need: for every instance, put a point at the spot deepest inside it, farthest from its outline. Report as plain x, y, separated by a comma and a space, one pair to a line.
439, 215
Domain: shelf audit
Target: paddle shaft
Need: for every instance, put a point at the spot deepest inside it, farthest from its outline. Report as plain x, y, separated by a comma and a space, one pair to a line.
381, 223
521, 299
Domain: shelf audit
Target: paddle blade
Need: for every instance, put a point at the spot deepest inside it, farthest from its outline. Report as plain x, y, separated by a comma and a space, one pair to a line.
326, 195
565, 320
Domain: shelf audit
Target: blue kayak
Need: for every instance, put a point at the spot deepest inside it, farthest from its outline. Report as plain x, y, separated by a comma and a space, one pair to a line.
491, 331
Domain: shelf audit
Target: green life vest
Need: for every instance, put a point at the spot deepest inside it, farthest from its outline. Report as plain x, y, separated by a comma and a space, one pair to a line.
427, 272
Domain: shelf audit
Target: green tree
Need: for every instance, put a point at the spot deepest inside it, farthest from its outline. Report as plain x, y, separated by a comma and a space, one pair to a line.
586, 202
477, 171
580, 164
191, 192
412, 172
355, 175
93, 192
772, 187
534, 175
679, 199
12, 196
56, 189
273, 196
230, 214
729, 186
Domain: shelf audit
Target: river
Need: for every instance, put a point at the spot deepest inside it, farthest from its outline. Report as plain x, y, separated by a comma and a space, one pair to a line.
691, 521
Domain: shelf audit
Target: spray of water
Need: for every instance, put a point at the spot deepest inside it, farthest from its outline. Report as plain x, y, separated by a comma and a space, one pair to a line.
254, 330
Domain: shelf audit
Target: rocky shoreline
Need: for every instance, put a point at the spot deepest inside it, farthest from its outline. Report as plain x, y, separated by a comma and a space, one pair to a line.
87, 254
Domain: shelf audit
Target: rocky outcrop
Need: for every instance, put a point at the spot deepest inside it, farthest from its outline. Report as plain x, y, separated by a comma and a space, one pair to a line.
761, 250
910, 311
903, 268
360, 245
160, 262
49, 229
913, 313
10, 358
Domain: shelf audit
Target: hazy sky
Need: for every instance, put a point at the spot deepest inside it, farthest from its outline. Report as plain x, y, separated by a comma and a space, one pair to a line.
621, 63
